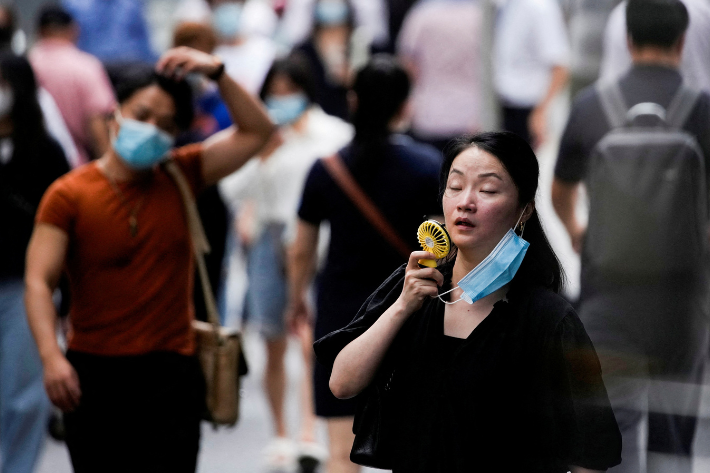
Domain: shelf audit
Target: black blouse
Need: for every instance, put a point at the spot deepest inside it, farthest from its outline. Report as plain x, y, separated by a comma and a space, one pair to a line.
522, 393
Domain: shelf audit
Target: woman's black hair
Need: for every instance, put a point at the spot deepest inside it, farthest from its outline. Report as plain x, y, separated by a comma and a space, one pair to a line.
132, 77
298, 69
540, 267
381, 88
658, 23
29, 130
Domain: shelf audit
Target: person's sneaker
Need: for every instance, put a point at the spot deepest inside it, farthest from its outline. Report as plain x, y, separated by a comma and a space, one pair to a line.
280, 456
310, 456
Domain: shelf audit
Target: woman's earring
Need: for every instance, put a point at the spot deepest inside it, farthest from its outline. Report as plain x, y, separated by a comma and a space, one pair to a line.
522, 228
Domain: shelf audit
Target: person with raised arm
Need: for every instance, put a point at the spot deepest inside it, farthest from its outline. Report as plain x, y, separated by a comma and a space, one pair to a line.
129, 384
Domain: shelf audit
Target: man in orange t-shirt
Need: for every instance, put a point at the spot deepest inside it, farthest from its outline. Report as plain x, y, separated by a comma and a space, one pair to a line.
129, 384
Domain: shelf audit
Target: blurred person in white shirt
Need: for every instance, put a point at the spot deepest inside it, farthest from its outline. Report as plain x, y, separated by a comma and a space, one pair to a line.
267, 191
531, 55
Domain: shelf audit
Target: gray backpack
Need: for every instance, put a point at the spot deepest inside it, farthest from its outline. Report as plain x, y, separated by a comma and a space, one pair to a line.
648, 204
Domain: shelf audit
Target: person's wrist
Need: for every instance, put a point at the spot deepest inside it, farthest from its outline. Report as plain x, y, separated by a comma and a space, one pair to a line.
218, 70
50, 356
401, 310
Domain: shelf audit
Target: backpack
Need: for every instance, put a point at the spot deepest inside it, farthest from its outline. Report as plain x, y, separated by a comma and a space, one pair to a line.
648, 203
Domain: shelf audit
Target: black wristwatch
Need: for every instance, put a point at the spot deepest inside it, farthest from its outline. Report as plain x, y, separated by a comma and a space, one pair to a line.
218, 73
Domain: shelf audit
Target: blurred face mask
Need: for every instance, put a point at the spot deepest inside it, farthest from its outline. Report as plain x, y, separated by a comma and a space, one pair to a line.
496, 270
285, 109
331, 12
227, 19
7, 100
141, 145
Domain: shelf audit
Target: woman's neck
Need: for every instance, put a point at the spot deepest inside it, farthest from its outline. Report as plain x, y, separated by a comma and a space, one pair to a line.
464, 263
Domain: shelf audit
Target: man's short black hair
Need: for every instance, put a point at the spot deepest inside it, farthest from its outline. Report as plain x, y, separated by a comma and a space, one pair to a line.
656, 22
53, 15
129, 78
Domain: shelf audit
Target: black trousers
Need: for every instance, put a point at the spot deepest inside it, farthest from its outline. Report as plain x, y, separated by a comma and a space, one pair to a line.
137, 413
515, 119
652, 345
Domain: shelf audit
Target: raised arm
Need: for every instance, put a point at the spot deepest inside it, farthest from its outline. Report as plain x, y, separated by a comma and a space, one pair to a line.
356, 364
45, 259
228, 150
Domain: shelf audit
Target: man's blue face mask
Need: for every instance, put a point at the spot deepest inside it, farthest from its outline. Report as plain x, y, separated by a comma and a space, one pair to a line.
495, 271
141, 145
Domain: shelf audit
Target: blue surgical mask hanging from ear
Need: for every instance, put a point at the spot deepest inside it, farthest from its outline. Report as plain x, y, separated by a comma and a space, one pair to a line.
227, 19
331, 12
141, 145
496, 270
285, 109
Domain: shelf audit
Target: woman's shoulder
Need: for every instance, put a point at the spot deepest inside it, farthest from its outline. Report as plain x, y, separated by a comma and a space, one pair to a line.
421, 153
545, 307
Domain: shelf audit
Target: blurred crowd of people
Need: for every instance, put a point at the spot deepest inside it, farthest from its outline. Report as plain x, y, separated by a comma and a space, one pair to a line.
382, 84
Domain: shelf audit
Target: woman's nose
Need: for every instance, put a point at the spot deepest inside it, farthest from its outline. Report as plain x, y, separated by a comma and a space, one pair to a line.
467, 201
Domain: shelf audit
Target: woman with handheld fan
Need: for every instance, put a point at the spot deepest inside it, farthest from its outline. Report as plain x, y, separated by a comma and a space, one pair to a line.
399, 179
483, 365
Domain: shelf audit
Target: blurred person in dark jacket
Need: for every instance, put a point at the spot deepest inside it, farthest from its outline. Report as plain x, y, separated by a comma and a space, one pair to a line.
30, 160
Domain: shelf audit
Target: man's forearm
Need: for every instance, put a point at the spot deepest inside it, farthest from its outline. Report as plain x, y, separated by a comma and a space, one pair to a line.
564, 201
246, 112
42, 318
558, 80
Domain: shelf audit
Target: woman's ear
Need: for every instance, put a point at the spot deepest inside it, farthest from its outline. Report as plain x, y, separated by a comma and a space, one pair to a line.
527, 213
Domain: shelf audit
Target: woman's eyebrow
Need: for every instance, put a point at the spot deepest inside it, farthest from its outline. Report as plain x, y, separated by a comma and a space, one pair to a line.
455, 171
489, 174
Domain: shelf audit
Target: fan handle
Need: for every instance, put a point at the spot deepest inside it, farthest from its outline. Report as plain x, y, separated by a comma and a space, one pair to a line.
431, 263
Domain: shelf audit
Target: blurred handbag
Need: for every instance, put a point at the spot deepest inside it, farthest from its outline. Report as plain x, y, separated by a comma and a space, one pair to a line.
219, 349
373, 426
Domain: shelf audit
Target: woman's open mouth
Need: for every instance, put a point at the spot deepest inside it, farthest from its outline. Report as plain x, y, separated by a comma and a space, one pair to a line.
463, 222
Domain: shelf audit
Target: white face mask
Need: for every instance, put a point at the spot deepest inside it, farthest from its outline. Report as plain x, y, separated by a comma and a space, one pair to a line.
7, 100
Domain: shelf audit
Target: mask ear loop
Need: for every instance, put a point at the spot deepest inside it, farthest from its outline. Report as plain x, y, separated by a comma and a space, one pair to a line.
522, 225
444, 293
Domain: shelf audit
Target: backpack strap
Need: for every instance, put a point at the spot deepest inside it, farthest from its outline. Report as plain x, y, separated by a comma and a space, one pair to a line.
681, 106
613, 103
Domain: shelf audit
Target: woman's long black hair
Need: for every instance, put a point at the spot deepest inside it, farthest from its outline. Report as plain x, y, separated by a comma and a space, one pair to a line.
381, 88
296, 67
540, 267
29, 132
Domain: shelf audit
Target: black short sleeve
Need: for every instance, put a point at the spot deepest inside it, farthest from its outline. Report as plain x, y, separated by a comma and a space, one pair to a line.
328, 347
312, 208
586, 423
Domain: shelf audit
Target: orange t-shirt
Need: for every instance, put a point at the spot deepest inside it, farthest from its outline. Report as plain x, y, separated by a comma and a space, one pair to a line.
129, 294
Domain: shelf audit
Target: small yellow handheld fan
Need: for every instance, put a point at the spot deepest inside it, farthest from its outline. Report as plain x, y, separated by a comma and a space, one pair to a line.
435, 239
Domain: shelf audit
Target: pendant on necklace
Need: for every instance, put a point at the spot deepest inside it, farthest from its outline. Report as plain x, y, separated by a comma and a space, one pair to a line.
133, 222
